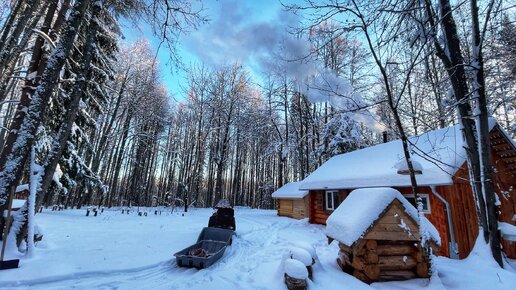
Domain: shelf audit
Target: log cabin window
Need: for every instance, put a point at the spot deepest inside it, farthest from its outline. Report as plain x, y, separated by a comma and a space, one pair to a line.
332, 199
425, 199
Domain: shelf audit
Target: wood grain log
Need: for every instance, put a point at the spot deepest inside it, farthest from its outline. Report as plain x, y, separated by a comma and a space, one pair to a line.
358, 263
371, 257
419, 256
372, 272
359, 248
360, 275
395, 250
396, 275
344, 257
346, 267
295, 284
345, 248
371, 244
396, 236
341, 264
396, 262
422, 270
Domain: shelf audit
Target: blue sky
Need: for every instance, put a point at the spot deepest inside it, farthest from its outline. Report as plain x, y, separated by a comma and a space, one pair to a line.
238, 31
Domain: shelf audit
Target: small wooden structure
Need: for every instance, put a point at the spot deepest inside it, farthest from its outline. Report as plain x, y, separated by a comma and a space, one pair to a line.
443, 183
381, 246
291, 202
22, 192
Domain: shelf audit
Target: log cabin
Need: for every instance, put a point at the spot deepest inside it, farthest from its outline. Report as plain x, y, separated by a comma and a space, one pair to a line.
21, 192
379, 236
443, 183
290, 201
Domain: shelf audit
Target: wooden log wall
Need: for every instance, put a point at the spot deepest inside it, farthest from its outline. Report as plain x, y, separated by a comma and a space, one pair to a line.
318, 213
294, 208
504, 159
437, 216
372, 260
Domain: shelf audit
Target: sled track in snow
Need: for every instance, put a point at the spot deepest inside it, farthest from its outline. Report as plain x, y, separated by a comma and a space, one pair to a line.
250, 247
107, 279
235, 268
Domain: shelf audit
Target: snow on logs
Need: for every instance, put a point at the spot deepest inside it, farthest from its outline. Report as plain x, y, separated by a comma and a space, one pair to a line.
299, 266
380, 238
295, 275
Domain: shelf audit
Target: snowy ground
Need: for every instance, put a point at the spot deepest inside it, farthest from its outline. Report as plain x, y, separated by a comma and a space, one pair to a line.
115, 251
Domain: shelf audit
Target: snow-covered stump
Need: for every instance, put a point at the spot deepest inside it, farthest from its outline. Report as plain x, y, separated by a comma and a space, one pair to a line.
304, 257
309, 248
295, 275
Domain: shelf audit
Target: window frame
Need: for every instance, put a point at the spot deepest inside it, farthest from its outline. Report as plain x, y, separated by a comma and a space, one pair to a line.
424, 196
334, 196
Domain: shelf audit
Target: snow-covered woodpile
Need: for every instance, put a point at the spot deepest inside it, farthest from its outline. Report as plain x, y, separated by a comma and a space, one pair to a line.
298, 266
295, 275
380, 238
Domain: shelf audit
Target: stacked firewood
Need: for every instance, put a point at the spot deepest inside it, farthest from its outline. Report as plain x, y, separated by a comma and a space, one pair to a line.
372, 260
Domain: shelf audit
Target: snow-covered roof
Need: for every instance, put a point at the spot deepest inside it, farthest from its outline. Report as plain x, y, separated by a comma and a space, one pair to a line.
290, 190
18, 203
508, 231
350, 221
22, 187
438, 153
223, 203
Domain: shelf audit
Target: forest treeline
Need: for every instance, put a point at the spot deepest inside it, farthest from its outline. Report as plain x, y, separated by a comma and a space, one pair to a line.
87, 120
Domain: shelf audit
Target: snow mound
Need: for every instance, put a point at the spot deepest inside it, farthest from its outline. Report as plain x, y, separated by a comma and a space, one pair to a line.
362, 207
402, 165
301, 255
295, 269
508, 231
308, 247
290, 190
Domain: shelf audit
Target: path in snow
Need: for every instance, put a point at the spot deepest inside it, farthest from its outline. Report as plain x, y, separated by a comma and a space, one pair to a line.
115, 251
256, 248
